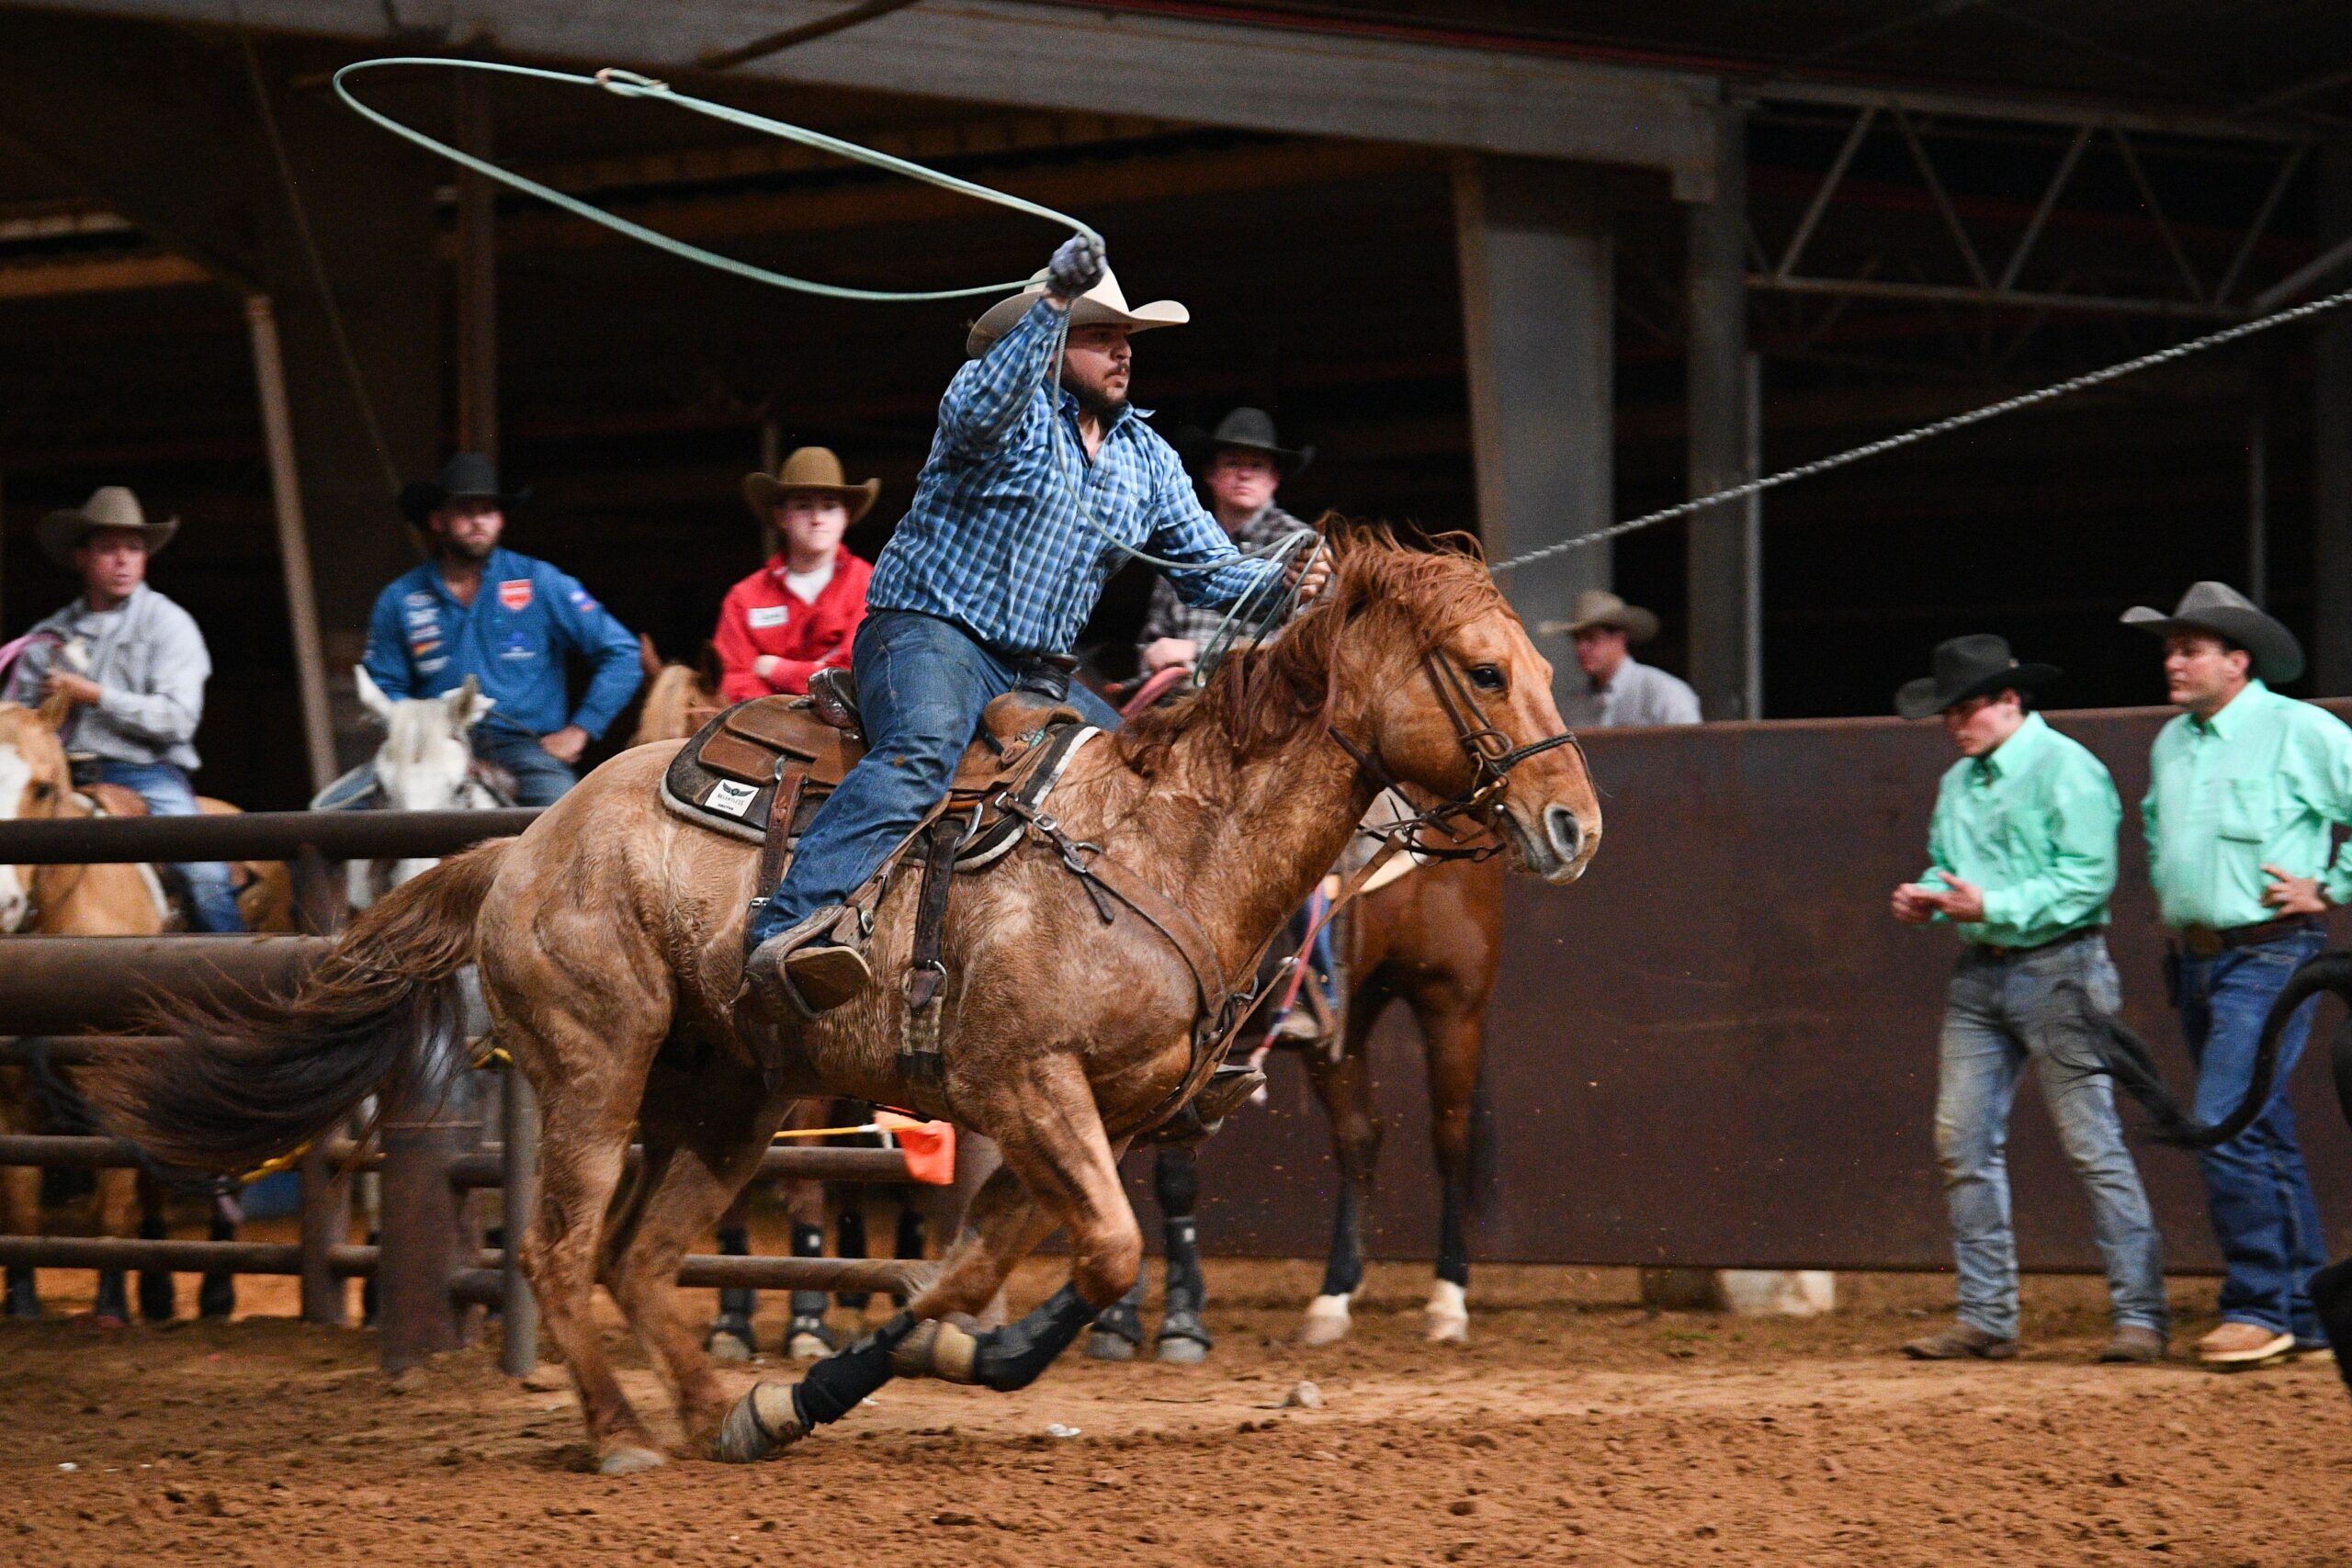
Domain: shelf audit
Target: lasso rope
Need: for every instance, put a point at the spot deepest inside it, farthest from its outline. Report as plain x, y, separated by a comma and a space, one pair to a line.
630, 84
1926, 432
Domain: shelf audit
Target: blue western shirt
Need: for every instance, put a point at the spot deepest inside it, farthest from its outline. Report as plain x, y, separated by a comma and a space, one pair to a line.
512, 639
995, 540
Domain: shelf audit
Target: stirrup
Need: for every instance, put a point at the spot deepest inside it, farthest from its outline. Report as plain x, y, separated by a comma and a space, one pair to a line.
830, 970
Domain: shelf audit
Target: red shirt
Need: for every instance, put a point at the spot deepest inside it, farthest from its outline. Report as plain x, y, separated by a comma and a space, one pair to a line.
761, 615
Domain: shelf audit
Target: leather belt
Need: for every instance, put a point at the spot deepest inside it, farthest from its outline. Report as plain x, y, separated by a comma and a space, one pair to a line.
1989, 953
2205, 942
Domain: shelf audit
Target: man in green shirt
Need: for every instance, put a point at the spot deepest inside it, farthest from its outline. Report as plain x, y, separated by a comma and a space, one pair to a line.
2022, 852
2246, 788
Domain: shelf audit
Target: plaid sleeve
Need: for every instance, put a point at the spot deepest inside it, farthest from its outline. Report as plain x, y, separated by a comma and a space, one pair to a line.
987, 399
1181, 530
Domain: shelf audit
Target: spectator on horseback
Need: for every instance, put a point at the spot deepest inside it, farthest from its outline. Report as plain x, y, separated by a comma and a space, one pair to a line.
132, 664
2245, 792
1039, 463
797, 613
2021, 852
436, 626
1618, 689
1246, 465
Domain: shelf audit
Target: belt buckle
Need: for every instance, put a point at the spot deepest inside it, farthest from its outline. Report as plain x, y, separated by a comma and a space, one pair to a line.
2203, 941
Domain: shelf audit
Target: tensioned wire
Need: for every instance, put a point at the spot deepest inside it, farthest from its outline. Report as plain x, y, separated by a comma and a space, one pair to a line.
1926, 432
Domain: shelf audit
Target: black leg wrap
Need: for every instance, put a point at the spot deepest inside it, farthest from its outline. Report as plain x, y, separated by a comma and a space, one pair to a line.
113, 1301
2332, 1296
849, 1241
808, 1241
1015, 1356
216, 1294
1452, 1244
23, 1301
1176, 1182
1187, 1290
1123, 1317
835, 1385
158, 1297
739, 1300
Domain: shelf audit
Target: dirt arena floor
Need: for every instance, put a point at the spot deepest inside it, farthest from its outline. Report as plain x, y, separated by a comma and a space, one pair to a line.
1574, 1427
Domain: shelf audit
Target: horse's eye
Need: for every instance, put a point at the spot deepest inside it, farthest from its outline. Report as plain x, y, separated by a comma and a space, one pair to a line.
1487, 677
42, 789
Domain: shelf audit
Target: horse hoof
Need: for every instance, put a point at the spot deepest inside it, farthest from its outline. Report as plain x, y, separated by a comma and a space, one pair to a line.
1448, 1313
807, 1347
761, 1426
1103, 1345
727, 1347
629, 1460
1182, 1352
1326, 1321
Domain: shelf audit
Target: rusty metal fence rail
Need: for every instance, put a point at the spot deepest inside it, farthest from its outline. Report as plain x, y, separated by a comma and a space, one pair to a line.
81, 995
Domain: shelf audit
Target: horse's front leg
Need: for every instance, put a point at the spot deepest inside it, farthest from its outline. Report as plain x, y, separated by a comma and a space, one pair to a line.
1059, 1169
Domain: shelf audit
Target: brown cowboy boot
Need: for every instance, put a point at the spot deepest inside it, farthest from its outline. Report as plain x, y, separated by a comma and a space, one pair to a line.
1960, 1342
812, 968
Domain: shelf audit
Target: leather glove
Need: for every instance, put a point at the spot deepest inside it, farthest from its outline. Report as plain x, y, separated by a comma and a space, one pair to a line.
1078, 265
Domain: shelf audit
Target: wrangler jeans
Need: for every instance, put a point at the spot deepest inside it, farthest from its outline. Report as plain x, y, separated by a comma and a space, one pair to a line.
165, 787
921, 682
1997, 1019
2265, 1217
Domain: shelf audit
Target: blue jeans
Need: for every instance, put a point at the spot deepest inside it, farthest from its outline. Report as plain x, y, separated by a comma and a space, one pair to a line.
2255, 1188
921, 682
1997, 1018
540, 779
166, 789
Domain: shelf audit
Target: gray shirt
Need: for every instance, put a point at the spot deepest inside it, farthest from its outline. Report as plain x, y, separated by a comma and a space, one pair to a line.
1637, 694
150, 664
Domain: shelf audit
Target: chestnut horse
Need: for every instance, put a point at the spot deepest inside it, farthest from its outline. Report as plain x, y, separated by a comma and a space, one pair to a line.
609, 941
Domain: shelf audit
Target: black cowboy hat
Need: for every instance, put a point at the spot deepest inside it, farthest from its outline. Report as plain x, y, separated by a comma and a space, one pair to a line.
1974, 666
467, 475
1249, 430
2219, 610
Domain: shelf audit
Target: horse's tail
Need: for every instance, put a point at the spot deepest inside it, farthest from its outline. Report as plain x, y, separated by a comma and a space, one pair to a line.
2133, 1067
247, 1079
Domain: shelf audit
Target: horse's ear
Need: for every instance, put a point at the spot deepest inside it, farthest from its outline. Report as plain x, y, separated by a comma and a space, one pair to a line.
371, 696
647, 660
467, 704
54, 710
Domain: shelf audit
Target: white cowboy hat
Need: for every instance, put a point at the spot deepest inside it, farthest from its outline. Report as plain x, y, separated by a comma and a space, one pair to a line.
1102, 305
110, 507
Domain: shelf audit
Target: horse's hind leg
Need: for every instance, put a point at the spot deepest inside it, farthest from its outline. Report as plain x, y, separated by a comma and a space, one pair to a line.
1345, 1089
21, 1216
158, 1294
729, 1337
694, 1168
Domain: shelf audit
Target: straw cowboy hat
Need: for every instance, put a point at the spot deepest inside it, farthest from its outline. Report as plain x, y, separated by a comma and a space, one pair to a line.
1099, 306
810, 469
1596, 608
1249, 430
2219, 610
467, 476
109, 506
1974, 666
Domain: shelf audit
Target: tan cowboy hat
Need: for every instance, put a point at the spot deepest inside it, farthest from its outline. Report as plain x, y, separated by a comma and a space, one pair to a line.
810, 469
1102, 305
1598, 607
109, 506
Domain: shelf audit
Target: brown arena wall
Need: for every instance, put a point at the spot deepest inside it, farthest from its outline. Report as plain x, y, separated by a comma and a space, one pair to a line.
1717, 1048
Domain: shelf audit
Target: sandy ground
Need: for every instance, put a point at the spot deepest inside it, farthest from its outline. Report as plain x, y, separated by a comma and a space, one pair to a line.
1574, 1427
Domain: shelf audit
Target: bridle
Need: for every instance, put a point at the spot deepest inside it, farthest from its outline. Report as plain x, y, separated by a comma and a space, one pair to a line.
1492, 757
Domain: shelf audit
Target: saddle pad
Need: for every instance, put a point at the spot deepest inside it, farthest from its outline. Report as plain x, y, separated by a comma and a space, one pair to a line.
724, 778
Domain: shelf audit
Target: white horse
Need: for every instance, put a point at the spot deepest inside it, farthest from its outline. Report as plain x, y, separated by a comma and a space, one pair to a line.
426, 764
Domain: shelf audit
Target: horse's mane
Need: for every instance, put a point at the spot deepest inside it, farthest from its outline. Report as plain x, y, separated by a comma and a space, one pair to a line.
1264, 697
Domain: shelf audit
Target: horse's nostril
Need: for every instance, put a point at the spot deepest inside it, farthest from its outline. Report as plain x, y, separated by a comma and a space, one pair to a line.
1560, 825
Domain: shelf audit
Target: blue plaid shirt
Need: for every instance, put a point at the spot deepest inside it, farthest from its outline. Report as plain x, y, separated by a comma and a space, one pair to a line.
995, 542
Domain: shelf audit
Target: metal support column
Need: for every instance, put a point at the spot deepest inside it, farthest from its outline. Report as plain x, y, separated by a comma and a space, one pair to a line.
1723, 545
293, 539
1537, 261
476, 274
2332, 446
519, 1316
428, 1120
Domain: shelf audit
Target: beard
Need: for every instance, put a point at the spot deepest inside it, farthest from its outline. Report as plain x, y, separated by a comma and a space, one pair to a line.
1093, 400
467, 550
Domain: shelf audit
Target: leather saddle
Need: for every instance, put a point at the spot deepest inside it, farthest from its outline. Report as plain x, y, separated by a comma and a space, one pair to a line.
728, 776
